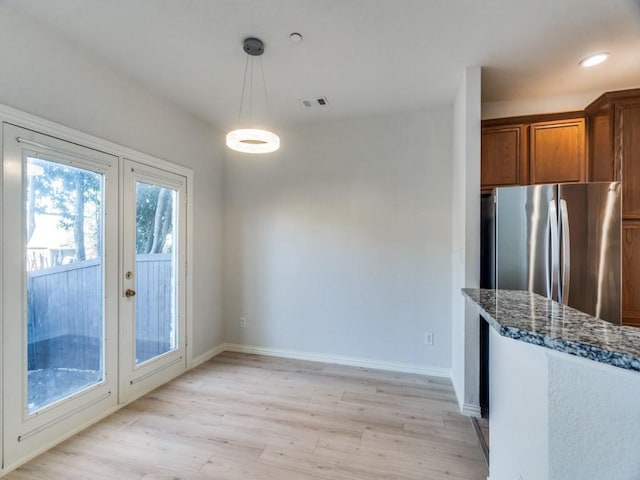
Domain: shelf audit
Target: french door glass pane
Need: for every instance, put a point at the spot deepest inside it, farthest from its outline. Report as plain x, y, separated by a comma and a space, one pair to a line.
64, 213
156, 326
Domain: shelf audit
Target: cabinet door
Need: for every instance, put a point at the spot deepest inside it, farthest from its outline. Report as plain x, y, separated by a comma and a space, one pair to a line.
631, 273
602, 167
557, 151
504, 153
627, 153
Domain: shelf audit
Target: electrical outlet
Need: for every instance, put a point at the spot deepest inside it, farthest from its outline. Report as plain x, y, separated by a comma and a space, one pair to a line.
243, 321
428, 338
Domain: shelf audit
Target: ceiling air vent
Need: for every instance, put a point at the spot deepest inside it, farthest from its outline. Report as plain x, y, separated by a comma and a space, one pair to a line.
315, 102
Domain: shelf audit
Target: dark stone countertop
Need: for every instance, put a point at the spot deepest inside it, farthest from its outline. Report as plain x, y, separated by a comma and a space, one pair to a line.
532, 318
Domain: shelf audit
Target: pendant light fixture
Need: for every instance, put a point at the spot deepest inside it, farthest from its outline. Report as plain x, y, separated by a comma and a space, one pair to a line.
252, 140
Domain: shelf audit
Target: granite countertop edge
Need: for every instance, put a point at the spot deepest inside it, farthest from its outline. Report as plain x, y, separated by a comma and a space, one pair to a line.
574, 332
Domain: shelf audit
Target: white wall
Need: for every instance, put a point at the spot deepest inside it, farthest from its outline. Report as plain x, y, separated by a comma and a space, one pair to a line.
594, 418
555, 416
45, 75
465, 259
519, 418
534, 106
339, 244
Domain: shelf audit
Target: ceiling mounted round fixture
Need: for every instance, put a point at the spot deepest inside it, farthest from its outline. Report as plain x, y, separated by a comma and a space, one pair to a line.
594, 60
252, 140
295, 37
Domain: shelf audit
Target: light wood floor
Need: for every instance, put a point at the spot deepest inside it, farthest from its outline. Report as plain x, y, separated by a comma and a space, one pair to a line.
253, 417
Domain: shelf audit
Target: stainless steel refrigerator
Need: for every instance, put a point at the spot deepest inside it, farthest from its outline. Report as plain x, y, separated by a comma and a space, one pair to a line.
563, 242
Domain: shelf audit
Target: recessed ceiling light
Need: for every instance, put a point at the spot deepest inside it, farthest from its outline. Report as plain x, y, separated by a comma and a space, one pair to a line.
295, 37
593, 60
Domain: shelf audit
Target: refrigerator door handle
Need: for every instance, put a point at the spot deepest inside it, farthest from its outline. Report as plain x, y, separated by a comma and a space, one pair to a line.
553, 262
565, 279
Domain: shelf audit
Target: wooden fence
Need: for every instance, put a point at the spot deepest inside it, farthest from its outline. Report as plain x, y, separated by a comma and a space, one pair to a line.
154, 305
65, 313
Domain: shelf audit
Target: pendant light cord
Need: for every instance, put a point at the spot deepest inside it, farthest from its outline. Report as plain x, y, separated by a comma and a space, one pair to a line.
264, 86
251, 91
244, 84
249, 70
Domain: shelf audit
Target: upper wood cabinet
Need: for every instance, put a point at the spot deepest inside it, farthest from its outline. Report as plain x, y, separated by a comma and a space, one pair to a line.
601, 162
504, 154
614, 143
558, 153
532, 150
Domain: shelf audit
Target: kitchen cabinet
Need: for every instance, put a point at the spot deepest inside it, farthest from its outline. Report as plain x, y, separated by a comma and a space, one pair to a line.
601, 162
557, 151
504, 155
631, 272
614, 154
533, 150
614, 145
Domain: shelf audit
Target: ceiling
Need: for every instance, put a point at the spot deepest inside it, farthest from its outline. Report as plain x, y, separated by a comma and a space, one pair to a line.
366, 56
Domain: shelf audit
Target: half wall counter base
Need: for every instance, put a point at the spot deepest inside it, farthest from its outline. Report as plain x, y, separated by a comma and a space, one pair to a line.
557, 413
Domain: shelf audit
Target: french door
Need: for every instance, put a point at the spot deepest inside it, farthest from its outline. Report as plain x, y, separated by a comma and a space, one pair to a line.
59, 277
153, 337
93, 286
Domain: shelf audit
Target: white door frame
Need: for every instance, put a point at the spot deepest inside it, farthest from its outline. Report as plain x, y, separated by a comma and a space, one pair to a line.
136, 380
25, 432
46, 127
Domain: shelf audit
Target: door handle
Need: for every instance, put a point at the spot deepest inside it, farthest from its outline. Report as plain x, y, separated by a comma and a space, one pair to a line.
129, 292
565, 279
553, 260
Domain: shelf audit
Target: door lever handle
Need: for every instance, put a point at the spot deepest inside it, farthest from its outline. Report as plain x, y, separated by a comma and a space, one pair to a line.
129, 292
553, 258
565, 274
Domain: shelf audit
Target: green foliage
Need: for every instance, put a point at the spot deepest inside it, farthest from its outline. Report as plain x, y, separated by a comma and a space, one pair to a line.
154, 218
75, 195
146, 200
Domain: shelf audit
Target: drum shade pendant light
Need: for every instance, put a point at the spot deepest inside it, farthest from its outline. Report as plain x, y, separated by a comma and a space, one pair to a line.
252, 140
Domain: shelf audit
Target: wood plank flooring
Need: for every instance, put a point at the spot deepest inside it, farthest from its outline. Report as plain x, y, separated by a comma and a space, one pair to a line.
252, 417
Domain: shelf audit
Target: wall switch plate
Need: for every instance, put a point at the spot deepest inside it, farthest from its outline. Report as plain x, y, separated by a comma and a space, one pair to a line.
243, 322
428, 338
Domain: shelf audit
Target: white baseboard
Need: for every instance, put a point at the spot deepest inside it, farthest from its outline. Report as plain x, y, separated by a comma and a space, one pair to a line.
471, 410
206, 356
340, 360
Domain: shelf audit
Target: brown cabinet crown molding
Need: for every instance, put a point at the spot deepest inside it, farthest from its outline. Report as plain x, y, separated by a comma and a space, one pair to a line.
524, 119
633, 93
